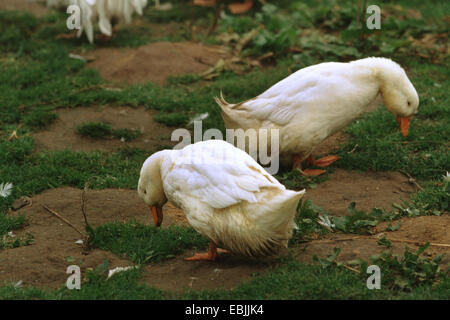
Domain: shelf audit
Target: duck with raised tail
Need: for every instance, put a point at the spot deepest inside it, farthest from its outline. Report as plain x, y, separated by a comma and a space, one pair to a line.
226, 196
317, 101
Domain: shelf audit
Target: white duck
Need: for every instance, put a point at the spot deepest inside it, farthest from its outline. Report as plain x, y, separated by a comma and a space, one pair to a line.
316, 102
226, 196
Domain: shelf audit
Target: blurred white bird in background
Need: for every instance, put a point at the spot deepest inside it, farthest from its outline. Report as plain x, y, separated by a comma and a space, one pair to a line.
107, 13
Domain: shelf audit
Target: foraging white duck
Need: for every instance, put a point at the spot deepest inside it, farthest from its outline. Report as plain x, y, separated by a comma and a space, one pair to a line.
316, 102
226, 196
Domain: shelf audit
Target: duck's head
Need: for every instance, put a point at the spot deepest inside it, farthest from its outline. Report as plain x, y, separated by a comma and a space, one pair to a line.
398, 93
150, 186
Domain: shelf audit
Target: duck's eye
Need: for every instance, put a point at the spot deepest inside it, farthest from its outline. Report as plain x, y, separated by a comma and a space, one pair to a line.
409, 103
145, 191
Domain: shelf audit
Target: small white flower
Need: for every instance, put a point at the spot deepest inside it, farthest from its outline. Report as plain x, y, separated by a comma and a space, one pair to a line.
326, 222
199, 117
6, 189
446, 177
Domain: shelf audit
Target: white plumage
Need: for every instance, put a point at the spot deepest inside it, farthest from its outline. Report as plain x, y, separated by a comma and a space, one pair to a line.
226, 196
103, 11
315, 102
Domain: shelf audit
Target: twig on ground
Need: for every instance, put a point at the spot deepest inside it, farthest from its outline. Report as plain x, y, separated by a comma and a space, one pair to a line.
411, 179
56, 214
354, 148
351, 269
83, 203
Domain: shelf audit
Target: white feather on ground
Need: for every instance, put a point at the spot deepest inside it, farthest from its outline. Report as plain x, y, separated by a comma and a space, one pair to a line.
6, 189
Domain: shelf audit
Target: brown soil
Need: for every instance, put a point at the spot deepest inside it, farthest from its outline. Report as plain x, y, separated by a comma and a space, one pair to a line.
154, 62
35, 7
44, 264
367, 189
62, 133
178, 275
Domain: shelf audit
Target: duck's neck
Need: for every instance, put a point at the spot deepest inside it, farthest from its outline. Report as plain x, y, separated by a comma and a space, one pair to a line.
153, 176
382, 70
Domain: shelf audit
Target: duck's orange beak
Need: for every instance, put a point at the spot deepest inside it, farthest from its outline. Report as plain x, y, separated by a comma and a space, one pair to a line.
404, 124
157, 215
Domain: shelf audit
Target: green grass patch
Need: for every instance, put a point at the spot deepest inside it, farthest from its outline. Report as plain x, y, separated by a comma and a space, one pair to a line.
103, 130
39, 119
143, 244
11, 223
10, 241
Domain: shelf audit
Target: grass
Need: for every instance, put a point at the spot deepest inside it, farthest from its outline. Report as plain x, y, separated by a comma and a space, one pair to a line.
142, 244
38, 77
103, 130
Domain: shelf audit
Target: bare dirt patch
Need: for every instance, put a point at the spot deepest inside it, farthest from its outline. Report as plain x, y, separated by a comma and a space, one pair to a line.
154, 62
43, 263
367, 189
178, 275
62, 133
35, 7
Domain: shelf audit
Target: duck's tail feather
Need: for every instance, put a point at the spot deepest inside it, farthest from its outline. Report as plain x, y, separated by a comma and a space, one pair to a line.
223, 104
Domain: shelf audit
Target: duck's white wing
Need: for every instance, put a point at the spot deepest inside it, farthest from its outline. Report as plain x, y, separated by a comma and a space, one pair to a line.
289, 97
220, 183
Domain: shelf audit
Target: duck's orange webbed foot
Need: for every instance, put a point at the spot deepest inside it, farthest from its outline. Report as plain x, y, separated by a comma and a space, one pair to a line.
211, 255
313, 172
322, 162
